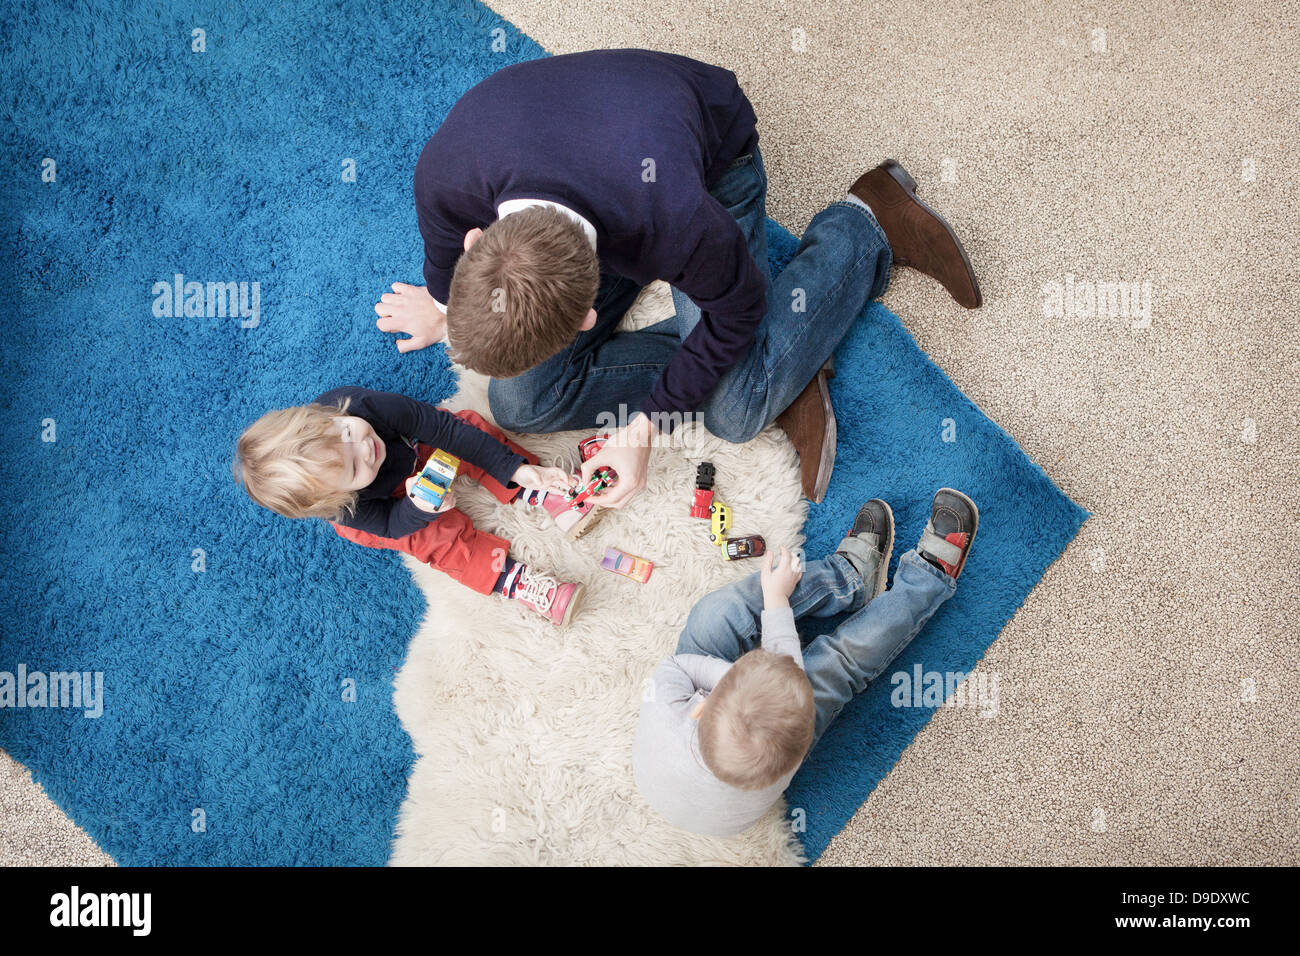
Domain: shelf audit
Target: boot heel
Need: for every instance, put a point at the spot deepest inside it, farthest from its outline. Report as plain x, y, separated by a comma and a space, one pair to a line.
900, 174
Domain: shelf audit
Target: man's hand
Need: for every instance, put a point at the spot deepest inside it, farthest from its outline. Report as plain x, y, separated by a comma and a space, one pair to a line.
544, 479
448, 502
628, 453
779, 578
410, 309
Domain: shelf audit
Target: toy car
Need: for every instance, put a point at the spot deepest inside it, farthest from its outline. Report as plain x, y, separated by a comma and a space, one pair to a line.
703, 490
601, 479
629, 565
588, 447
750, 546
720, 522
436, 477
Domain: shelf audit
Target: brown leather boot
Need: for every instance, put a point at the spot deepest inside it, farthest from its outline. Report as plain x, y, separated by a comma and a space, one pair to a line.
918, 236
810, 423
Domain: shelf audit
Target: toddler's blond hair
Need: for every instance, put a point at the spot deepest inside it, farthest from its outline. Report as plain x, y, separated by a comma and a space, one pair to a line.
285, 461
758, 722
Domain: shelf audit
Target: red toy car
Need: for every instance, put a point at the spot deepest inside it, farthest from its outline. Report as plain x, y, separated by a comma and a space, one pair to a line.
600, 479
703, 490
589, 446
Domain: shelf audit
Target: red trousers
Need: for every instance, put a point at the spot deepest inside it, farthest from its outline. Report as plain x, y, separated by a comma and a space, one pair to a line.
450, 542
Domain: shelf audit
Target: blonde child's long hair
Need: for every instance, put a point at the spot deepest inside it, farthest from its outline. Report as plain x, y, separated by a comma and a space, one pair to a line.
285, 459
758, 722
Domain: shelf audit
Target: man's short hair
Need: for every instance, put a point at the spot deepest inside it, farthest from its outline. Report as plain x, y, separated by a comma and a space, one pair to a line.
521, 292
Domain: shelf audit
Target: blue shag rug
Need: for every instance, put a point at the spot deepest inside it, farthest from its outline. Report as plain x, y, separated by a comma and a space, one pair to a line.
247, 660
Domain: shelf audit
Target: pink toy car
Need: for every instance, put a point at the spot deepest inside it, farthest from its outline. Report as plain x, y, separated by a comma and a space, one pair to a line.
628, 565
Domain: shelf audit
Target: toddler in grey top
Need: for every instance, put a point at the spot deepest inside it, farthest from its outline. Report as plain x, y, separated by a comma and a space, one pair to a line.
729, 718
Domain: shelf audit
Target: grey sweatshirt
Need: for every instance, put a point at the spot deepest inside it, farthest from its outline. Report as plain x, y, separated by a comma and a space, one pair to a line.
666, 762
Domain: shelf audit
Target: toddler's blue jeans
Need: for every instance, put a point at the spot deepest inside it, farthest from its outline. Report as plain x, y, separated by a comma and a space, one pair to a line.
727, 624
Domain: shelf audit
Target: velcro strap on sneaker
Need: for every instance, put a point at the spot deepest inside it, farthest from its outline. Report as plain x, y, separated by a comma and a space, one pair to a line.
862, 547
939, 547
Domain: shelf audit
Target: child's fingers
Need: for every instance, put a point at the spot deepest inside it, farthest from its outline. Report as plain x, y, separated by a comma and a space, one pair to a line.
543, 478
773, 563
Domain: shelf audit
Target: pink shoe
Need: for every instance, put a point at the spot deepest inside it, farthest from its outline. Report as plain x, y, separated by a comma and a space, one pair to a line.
554, 600
575, 522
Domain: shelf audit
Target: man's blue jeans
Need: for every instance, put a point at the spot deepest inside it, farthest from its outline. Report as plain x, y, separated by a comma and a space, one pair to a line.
727, 624
841, 265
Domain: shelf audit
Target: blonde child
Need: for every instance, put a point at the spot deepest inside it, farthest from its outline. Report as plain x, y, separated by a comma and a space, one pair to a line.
351, 458
733, 713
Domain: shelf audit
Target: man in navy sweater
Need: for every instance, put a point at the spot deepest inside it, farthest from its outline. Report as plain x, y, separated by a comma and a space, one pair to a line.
557, 188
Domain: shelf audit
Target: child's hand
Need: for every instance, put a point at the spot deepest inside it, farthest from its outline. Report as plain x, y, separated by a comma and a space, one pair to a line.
448, 502
541, 478
778, 581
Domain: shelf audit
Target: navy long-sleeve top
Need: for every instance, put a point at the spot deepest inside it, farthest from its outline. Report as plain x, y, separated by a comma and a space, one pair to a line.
400, 422
579, 130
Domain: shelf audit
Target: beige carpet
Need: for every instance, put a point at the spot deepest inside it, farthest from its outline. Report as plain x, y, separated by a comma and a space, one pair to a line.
1161, 149
33, 831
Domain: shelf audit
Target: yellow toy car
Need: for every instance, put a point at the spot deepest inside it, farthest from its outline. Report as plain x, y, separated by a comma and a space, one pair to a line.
436, 477
719, 522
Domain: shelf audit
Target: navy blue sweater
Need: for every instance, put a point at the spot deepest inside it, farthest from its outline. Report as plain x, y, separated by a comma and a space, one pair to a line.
400, 422
576, 129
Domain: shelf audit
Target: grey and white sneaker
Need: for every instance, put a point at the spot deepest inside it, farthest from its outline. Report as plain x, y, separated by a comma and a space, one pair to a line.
950, 532
869, 546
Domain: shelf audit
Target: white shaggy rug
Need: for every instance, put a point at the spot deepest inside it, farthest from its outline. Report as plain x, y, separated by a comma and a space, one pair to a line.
523, 730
